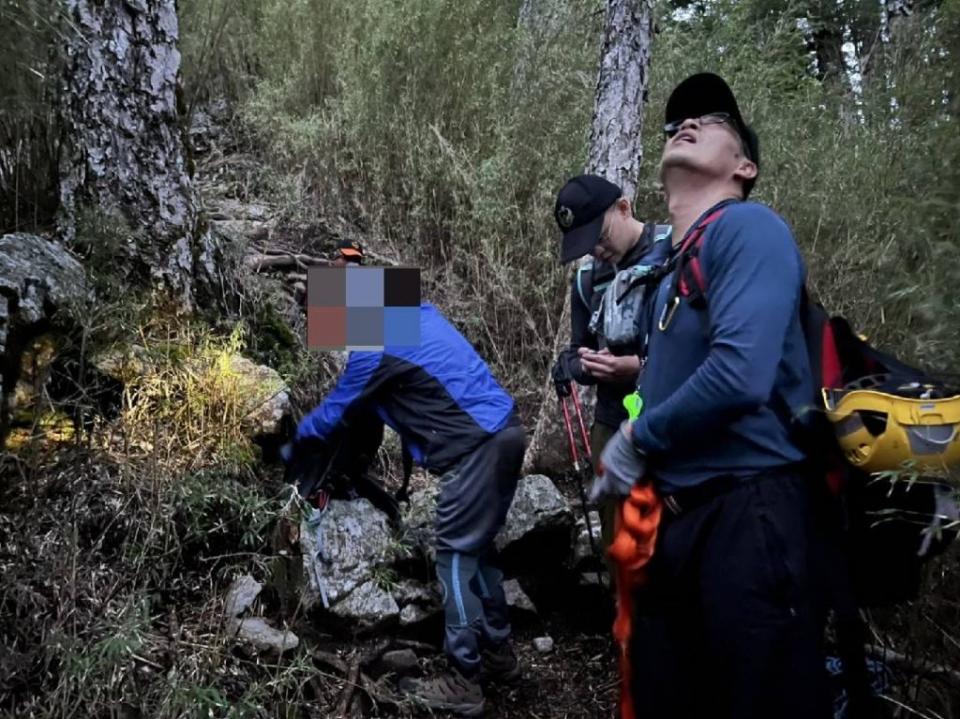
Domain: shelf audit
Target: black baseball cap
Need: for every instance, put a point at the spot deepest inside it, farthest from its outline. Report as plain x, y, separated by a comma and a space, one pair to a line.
704, 93
579, 213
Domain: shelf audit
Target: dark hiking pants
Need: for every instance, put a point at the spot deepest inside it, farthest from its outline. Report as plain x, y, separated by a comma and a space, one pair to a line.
731, 623
472, 507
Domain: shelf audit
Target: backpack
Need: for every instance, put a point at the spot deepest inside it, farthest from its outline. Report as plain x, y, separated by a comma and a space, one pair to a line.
615, 319
853, 428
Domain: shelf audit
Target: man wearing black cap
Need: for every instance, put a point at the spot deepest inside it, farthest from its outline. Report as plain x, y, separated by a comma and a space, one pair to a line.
732, 624
597, 219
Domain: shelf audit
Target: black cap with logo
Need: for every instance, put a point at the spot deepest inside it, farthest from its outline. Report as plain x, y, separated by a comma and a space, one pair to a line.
704, 93
579, 213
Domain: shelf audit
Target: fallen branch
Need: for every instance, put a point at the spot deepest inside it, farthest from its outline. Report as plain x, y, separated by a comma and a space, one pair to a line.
375, 258
173, 629
919, 667
353, 679
266, 263
377, 694
414, 644
330, 660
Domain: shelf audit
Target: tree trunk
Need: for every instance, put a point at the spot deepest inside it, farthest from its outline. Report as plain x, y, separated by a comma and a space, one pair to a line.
615, 133
123, 146
896, 11
615, 153
827, 23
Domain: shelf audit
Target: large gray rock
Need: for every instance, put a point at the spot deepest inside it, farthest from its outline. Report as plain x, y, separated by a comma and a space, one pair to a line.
368, 606
36, 275
538, 509
342, 552
265, 395
37, 278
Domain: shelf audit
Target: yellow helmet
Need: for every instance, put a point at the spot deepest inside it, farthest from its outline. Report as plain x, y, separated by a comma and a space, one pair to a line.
879, 431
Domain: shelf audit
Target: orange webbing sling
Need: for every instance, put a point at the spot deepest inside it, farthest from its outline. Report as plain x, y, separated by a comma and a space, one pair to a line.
634, 537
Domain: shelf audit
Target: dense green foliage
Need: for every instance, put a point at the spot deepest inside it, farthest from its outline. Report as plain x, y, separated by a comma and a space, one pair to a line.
424, 123
29, 34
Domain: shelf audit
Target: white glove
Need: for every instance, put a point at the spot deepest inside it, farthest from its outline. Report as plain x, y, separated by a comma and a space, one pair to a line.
621, 466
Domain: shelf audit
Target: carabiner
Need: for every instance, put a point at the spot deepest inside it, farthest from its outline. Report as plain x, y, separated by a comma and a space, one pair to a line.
666, 316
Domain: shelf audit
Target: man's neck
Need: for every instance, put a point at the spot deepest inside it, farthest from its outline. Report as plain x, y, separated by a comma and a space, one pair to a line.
637, 228
687, 203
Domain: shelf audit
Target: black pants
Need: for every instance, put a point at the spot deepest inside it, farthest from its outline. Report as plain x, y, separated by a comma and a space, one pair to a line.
731, 623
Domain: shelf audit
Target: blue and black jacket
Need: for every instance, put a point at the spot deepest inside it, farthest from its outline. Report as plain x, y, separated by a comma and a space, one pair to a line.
440, 396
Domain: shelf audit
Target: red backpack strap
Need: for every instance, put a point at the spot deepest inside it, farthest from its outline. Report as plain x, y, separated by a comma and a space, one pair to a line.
692, 283
688, 280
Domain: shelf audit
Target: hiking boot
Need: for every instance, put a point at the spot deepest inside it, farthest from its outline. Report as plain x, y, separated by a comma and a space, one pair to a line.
500, 664
450, 692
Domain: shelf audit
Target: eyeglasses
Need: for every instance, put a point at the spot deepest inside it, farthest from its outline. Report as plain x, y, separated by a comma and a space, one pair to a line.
711, 118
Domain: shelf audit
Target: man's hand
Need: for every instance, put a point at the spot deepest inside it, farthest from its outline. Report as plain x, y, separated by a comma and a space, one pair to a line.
621, 466
608, 367
305, 460
561, 377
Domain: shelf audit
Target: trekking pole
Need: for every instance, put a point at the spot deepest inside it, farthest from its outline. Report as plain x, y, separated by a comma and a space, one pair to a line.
564, 390
583, 430
569, 427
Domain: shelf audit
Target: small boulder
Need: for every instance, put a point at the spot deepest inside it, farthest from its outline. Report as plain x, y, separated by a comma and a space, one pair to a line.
414, 614
255, 631
583, 551
242, 594
341, 548
369, 606
544, 645
537, 506
409, 591
400, 661
265, 395
517, 599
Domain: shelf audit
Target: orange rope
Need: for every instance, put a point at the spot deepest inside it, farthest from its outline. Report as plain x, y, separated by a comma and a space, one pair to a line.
635, 535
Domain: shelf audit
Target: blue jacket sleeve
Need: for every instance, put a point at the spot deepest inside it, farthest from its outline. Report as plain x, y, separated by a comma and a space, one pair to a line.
753, 280
354, 387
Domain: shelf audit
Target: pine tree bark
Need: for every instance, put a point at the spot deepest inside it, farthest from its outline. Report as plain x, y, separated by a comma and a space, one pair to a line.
615, 153
622, 86
123, 149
